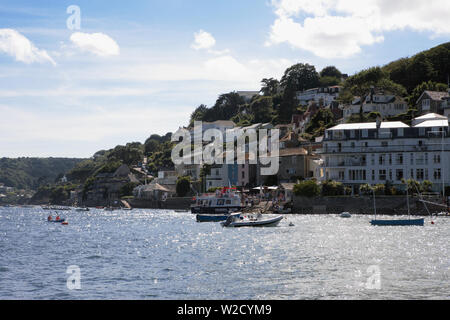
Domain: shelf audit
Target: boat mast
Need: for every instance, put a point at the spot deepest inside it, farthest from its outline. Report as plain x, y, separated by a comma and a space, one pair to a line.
442, 164
407, 201
374, 204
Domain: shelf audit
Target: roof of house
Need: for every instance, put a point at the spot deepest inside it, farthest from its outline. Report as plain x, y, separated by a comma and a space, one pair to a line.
430, 116
434, 95
292, 152
369, 125
433, 123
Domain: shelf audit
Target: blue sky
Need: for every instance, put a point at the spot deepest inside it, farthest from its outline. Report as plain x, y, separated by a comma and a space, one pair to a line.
141, 67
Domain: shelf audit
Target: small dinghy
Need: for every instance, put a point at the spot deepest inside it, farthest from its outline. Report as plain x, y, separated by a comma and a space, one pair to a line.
345, 215
235, 221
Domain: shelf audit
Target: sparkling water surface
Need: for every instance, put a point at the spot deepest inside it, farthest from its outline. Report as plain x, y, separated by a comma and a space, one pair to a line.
162, 254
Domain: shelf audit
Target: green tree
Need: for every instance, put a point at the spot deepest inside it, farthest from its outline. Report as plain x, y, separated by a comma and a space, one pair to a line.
322, 120
298, 77
198, 114
270, 86
332, 188
331, 71
307, 188
183, 186
261, 109
151, 145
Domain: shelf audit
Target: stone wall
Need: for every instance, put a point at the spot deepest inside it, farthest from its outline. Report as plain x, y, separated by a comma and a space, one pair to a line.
392, 205
181, 203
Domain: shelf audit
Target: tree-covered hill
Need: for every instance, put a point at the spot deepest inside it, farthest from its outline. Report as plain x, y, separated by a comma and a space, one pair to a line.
430, 65
30, 173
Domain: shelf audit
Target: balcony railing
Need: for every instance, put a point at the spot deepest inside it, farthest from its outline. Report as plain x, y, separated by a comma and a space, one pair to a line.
384, 149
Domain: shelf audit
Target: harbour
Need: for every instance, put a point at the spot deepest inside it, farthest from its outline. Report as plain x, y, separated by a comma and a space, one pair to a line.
163, 254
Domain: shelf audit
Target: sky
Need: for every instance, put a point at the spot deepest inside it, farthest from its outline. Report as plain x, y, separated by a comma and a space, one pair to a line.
81, 76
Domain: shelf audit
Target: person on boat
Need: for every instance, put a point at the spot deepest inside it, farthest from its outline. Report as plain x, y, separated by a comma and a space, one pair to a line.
49, 218
57, 218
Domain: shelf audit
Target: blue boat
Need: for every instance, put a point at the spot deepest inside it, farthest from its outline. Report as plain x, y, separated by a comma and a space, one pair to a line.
402, 222
214, 217
396, 222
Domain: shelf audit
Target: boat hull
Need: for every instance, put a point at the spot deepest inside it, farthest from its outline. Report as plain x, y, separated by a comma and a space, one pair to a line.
406, 222
215, 210
272, 222
212, 217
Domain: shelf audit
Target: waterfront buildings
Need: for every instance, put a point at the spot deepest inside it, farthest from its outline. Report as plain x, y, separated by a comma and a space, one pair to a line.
376, 152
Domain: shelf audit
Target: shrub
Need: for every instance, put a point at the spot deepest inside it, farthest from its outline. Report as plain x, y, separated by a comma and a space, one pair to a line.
332, 188
307, 188
183, 186
365, 189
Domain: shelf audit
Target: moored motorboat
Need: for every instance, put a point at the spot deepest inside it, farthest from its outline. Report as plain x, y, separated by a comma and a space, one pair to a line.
222, 202
235, 221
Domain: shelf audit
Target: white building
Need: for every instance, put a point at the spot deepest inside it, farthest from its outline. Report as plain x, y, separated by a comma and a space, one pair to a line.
387, 105
326, 95
377, 152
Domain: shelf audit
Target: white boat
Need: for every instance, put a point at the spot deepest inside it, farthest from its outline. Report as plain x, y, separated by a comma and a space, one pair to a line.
345, 215
235, 221
221, 202
81, 209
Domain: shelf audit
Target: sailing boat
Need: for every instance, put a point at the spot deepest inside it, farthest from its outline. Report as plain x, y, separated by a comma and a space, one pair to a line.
396, 222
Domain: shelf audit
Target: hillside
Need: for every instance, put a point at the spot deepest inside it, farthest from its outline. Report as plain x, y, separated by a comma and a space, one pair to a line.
430, 65
30, 173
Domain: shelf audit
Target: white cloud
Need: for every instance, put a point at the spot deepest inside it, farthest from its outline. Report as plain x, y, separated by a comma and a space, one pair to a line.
97, 43
18, 46
339, 28
203, 40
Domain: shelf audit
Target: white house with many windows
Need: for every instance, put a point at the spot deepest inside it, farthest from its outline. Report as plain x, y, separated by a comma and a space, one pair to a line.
386, 104
359, 153
326, 95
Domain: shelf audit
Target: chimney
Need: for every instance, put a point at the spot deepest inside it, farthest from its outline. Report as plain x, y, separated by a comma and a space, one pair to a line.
378, 122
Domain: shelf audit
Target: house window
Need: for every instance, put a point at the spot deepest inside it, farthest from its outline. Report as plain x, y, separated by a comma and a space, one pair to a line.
382, 175
419, 174
365, 133
412, 174
399, 159
400, 132
341, 175
399, 174
421, 132
426, 158
437, 174
437, 158
411, 157
373, 174
390, 174
384, 144
426, 104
